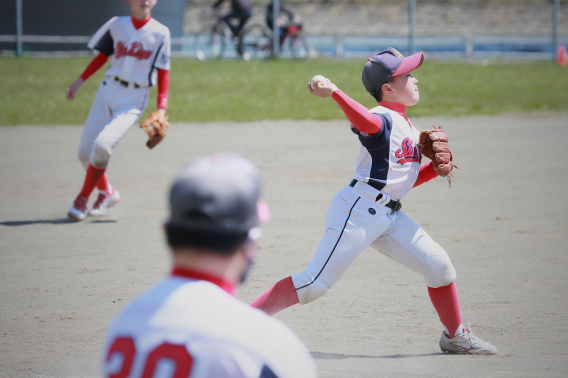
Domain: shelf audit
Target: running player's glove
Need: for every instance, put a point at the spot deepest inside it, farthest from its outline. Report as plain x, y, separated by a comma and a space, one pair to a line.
156, 126
434, 145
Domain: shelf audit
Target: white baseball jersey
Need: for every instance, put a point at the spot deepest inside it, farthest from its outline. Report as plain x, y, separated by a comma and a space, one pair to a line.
389, 160
189, 325
388, 164
136, 53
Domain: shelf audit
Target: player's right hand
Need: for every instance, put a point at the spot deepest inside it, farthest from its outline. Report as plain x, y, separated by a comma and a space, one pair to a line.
73, 88
323, 89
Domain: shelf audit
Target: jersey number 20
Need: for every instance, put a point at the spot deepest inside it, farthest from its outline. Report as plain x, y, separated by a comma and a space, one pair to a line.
173, 352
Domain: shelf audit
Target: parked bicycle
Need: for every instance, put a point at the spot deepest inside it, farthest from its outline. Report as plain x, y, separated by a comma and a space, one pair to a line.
289, 27
292, 42
295, 41
214, 40
256, 42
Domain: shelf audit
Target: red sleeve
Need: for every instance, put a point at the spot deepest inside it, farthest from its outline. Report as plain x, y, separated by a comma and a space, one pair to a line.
94, 66
357, 114
163, 86
426, 174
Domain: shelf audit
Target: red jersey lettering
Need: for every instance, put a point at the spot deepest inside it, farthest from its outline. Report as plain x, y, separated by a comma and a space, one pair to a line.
407, 152
136, 50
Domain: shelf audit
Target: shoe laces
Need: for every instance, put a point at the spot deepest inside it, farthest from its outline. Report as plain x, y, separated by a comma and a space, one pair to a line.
80, 204
102, 196
470, 336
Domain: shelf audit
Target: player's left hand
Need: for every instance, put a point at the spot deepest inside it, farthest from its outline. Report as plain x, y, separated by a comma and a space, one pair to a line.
323, 89
434, 145
156, 126
73, 88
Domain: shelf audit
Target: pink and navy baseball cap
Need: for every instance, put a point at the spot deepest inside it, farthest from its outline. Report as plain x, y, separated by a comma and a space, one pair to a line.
388, 63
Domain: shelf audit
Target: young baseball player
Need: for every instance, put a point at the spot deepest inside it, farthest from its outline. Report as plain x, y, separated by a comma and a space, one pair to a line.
367, 212
190, 324
140, 49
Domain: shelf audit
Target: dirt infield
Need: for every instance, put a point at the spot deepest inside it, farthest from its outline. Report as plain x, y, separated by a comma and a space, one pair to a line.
503, 222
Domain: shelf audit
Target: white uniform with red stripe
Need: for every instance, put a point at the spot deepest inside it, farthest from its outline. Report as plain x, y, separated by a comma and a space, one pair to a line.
190, 325
136, 54
387, 168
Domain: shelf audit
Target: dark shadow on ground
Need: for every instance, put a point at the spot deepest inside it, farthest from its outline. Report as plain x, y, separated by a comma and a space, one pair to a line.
338, 356
50, 221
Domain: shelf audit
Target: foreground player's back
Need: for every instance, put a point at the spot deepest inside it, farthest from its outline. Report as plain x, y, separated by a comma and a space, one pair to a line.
193, 327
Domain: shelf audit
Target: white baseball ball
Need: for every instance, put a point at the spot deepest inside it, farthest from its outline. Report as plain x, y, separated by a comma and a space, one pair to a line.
317, 79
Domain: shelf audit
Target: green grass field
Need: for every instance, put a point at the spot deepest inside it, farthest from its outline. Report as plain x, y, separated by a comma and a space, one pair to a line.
34, 89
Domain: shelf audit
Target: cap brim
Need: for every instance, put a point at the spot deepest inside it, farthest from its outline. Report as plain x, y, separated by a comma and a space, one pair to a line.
409, 64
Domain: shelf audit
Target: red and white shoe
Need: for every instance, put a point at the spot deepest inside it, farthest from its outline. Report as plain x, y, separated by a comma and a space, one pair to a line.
78, 210
466, 343
103, 202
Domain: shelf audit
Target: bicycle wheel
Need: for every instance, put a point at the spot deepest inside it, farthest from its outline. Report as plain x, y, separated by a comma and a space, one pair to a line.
255, 42
210, 44
299, 47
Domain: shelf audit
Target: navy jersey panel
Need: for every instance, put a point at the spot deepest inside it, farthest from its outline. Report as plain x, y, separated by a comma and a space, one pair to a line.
267, 373
378, 146
105, 45
154, 66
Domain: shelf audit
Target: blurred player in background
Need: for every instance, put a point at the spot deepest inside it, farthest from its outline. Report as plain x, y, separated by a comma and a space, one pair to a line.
140, 47
292, 25
190, 324
241, 10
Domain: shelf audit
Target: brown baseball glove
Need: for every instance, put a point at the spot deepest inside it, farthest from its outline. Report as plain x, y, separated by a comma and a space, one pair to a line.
156, 126
434, 145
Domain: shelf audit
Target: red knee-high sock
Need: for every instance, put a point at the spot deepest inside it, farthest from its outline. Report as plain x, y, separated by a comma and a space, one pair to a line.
280, 296
447, 304
93, 176
104, 185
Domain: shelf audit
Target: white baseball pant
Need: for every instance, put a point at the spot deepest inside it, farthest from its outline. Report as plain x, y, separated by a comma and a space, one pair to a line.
356, 220
115, 109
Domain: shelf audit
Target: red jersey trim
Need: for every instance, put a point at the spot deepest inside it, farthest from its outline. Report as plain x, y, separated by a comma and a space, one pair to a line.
399, 108
139, 23
202, 276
